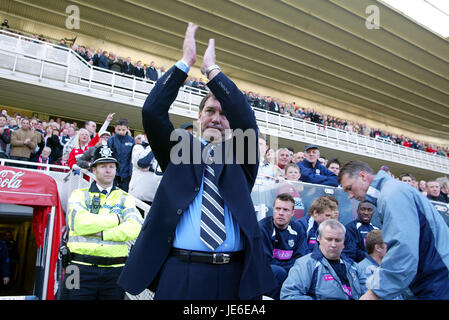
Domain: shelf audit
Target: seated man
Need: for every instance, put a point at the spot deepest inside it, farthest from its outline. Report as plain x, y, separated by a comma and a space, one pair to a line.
357, 230
376, 249
312, 171
320, 210
282, 239
325, 273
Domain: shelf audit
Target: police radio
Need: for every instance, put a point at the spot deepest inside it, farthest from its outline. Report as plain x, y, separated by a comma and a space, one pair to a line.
96, 204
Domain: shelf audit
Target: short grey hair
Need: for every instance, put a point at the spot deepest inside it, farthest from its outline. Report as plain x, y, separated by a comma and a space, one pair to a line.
331, 223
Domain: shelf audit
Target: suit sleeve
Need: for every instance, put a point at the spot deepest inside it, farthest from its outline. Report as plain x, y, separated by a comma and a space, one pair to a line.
350, 249
155, 119
267, 245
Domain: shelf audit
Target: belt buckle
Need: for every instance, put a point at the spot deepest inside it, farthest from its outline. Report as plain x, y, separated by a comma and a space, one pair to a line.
226, 258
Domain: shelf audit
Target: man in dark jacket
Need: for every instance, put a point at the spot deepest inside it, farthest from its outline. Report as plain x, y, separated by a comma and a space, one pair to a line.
122, 145
151, 72
128, 67
312, 171
174, 256
283, 239
103, 61
356, 231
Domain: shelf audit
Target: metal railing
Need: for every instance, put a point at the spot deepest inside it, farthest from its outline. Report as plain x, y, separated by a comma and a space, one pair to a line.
26, 58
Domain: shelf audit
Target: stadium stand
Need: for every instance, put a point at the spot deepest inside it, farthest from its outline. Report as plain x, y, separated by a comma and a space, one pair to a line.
38, 59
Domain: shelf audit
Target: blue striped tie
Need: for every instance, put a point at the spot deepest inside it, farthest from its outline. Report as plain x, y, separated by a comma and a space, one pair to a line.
213, 231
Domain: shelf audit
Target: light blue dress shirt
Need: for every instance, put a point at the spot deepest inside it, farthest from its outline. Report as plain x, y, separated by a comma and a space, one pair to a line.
187, 235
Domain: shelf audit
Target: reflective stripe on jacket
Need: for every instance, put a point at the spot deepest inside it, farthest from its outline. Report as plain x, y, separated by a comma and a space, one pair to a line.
84, 224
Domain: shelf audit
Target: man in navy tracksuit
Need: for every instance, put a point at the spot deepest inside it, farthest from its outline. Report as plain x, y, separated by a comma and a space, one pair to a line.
320, 210
312, 171
356, 231
282, 239
122, 145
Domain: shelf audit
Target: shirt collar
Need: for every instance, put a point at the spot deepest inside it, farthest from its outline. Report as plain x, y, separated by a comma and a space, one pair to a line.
95, 188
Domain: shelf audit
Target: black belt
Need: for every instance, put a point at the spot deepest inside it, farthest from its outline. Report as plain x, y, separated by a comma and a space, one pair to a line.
207, 257
103, 261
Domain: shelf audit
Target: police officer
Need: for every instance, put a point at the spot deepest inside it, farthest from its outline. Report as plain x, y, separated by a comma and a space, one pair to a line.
101, 219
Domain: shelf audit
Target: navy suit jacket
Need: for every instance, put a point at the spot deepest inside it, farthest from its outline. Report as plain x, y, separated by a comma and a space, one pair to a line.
181, 184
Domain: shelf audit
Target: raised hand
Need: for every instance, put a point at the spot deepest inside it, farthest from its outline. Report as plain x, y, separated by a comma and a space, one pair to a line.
189, 45
209, 56
110, 117
209, 60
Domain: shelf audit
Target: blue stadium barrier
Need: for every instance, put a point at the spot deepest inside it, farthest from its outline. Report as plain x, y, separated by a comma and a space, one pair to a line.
265, 191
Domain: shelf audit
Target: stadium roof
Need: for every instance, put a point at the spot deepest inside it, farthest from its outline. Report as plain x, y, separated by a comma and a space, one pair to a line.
358, 56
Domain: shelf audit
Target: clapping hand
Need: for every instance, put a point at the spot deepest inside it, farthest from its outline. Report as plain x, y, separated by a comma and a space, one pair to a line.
189, 46
209, 59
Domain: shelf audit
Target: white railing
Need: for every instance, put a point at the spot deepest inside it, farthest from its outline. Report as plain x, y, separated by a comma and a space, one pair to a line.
46, 64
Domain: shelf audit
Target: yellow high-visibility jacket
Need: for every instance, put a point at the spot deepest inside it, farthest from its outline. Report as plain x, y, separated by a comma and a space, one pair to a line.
84, 225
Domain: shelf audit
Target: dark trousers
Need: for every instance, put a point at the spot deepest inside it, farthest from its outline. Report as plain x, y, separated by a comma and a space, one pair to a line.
19, 164
95, 283
181, 280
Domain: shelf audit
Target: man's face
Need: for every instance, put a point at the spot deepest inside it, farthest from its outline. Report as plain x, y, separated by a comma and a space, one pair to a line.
312, 155
299, 157
332, 242
433, 188
282, 213
91, 127
105, 173
2, 122
25, 124
320, 217
423, 185
121, 130
262, 148
355, 187
365, 212
382, 249
284, 157
104, 137
292, 174
335, 168
213, 122
407, 179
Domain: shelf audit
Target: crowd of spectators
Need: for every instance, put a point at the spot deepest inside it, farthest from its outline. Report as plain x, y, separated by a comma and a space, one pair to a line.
312, 167
273, 104
149, 71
